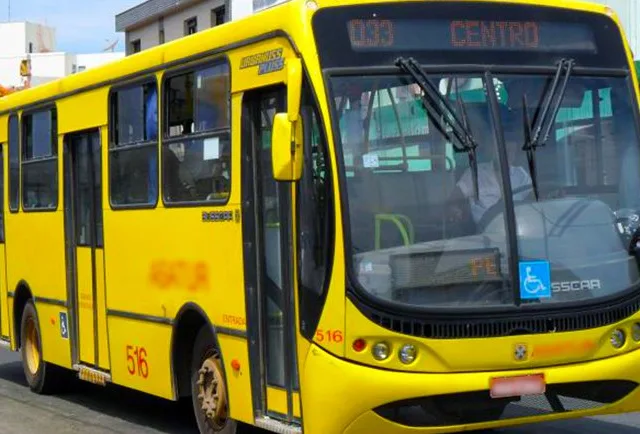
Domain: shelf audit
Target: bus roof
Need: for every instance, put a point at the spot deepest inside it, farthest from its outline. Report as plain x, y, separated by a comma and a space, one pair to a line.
261, 23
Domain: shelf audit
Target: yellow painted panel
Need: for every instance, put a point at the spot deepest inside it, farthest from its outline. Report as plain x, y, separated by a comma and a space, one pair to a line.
141, 355
277, 400
296, 405
4, 128
86, 328
103, 336
239, 382
4, 310
55, 348
74, 116
35, 252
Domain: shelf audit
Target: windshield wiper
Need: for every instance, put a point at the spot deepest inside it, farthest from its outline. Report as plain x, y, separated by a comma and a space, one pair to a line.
440, 111
538, 134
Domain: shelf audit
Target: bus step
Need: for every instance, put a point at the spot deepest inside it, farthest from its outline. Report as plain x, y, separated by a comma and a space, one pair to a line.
92, 375
274, 425
5, 344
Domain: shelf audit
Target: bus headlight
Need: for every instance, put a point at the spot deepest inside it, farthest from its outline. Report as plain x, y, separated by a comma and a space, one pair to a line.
380, 351
408, 354
617, 339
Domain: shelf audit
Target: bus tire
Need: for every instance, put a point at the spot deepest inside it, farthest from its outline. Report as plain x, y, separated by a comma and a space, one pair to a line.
40, 375
208, 387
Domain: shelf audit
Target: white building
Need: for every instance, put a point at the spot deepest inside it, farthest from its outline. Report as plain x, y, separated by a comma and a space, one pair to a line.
155, 22
37, 43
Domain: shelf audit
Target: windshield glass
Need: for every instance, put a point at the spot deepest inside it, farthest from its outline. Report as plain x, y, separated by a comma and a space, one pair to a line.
420, 235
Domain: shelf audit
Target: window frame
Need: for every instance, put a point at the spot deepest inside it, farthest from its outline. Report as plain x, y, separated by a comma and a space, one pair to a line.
191, 20
10, 183
113, 148
53, 108
221, 59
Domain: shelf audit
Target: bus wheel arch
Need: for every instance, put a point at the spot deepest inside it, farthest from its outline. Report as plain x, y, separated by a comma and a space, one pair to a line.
194, 336
42, 377
21, 296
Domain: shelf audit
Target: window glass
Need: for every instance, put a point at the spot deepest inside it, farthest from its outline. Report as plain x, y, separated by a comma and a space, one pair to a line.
315, 218
39, 163
133, 154
14, 163
197, 150
39, 134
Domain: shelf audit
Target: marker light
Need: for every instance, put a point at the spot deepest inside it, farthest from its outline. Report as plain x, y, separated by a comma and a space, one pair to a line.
635, 332
359, 345
312, 6
407, 354
617, 338
380, 351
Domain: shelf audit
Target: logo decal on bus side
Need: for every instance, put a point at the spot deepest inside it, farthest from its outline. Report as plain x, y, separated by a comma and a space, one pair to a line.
267, 62
64, 328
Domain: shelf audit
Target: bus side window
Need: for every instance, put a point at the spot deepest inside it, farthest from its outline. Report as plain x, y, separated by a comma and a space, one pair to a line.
40, 160
133, 155
196, 149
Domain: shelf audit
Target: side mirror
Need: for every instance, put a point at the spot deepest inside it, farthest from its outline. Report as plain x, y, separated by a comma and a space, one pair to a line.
286, 148
286, 137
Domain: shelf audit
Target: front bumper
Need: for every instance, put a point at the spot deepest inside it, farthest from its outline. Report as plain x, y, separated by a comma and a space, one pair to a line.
340, 396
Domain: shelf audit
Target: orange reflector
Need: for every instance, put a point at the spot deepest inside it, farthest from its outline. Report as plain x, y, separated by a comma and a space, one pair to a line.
235, 364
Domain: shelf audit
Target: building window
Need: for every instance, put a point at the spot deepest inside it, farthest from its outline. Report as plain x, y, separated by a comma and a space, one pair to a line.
135, 46
30, 47
218, 16
81, 68
197, 150
40, 160
14, 163
161, 30
191, 26
133, 153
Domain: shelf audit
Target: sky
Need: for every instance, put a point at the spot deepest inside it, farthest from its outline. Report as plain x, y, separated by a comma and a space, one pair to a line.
82, 26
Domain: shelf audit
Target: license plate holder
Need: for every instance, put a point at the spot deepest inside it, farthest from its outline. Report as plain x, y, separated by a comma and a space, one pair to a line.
522, 385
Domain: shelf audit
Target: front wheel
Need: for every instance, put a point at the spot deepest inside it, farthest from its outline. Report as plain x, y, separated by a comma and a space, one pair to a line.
208, 387
41, 376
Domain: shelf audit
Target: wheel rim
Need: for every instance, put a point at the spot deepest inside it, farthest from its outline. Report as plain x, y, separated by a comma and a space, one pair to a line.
212, 395
32, 353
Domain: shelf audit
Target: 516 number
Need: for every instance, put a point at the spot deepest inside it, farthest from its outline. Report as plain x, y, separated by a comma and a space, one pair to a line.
137, 361
333, 336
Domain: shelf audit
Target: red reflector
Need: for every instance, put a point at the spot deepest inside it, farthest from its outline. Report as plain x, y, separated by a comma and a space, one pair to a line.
517, 386
359, 345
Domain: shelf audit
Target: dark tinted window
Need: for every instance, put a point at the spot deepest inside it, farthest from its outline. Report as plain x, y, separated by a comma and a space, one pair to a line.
197, 148
39, 160
133, 152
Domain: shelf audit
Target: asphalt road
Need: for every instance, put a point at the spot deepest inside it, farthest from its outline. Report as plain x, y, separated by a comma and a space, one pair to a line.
86, 408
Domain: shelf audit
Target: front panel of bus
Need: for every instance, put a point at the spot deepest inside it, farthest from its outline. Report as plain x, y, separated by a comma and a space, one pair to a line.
488, 161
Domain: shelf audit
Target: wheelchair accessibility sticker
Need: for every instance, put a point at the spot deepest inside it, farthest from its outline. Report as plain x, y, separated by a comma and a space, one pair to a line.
535, 280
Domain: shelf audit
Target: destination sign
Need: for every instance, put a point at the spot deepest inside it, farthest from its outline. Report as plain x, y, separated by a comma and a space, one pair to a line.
412, 34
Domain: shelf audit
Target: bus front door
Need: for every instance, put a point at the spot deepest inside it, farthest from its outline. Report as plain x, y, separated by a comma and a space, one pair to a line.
269, 268
85, 248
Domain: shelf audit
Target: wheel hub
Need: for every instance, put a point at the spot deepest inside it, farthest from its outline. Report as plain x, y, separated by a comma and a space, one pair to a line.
211, 393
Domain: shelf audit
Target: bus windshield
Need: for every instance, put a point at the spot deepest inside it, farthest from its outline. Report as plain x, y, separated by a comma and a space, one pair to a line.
420, 235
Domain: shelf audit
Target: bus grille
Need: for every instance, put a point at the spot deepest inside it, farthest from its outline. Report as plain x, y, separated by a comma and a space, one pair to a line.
477, 407
519, 323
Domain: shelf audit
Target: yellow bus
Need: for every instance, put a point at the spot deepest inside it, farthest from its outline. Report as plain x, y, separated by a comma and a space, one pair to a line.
338, 216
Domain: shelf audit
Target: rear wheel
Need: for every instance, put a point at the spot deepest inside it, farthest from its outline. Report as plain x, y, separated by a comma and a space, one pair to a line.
208, 387
42, 377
